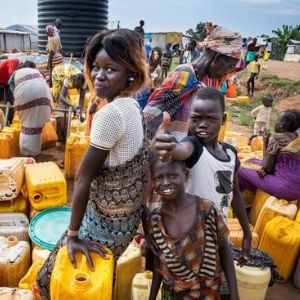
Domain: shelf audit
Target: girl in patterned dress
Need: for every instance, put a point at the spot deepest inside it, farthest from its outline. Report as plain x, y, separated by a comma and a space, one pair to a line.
109, 187
189, 239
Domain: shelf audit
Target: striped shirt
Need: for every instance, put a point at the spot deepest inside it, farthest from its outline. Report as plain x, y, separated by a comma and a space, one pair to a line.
190, 265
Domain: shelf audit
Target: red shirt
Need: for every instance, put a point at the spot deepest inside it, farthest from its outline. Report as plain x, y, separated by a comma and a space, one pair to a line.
7, 68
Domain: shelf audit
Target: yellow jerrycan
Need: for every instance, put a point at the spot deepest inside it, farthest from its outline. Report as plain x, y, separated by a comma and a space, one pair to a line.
236, 234
28, 282
258, 202
15, 294
9, 141
271, 209
46, 185
223, 129
129, 264
257, 144
141, 286
18, 205
252, 282
297, 220
68, 283
14, 260
76, 146
281, 240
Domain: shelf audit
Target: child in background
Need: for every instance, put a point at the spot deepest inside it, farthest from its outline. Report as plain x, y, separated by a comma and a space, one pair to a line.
213, 164
254, 71
262, 115
166, 61
189, 239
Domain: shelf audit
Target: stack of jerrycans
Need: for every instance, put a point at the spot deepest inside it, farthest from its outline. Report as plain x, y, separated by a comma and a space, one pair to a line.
76, 146
12, 191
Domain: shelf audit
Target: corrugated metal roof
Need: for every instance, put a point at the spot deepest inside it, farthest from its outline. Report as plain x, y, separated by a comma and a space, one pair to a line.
24, 28
14, 32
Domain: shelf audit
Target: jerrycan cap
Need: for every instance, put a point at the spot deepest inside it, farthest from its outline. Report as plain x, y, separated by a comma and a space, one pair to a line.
148, 274
12, 241
47, 227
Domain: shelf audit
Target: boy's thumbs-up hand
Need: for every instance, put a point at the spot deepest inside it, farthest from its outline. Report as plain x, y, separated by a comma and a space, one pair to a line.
163, 143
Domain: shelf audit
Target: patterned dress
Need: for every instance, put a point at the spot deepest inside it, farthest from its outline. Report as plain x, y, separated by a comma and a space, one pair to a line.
116, 200
190, 266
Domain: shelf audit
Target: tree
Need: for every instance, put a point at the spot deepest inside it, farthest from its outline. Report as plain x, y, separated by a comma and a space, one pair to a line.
283, 35
199, 34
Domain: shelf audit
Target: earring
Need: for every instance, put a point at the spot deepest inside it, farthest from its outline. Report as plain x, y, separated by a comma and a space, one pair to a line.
130, 79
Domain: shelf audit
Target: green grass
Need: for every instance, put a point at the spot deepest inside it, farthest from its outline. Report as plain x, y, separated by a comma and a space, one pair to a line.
246, 119
279, 83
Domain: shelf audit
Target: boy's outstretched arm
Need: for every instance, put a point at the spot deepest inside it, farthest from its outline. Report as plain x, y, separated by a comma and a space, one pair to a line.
240, 211
156, 281
228, 267
165, 147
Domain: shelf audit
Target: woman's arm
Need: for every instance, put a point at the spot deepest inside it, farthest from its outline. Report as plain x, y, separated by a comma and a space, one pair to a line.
156, 281
89, 167
240, 211
228, 267
81, 102
62, 96
49, 65
268, 163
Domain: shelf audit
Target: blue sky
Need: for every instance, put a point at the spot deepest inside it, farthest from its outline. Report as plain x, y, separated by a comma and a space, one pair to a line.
249, 17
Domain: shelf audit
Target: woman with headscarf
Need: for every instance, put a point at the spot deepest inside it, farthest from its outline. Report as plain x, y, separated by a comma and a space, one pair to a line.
220, 59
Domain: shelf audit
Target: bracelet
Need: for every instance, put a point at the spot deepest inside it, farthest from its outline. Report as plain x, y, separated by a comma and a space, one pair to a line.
72, 233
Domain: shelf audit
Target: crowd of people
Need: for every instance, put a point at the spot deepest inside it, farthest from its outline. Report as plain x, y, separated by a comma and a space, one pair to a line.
161, 165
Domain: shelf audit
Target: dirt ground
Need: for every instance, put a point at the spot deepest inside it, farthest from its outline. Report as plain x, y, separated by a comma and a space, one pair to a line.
283, 69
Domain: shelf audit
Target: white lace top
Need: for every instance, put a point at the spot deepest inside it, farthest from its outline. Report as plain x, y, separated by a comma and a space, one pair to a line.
118, 127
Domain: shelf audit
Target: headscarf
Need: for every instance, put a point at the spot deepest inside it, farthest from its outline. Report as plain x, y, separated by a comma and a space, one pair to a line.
223, 40
50, 30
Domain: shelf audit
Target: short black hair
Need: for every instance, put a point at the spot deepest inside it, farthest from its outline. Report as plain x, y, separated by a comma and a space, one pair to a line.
26, 64
209, 93
154, 160
292, 119
142, 22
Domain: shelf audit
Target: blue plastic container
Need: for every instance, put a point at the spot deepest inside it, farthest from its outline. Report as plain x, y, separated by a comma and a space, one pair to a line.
47, 227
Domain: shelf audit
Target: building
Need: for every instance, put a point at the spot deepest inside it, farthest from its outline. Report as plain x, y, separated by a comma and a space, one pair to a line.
11, 39
33, 30
293, 51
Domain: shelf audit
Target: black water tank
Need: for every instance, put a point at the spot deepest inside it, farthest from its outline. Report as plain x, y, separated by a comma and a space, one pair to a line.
81, 19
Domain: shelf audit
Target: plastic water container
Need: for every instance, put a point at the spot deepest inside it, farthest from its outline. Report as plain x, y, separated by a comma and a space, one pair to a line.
46, 185
28, 282
9, 142
49, 135
258, 202
81, 283
257, 143
281, 240
236, 234
128, 265
252, 282
14, 225
223, 129
11, 178
141, 286
243, 99
76, 146
14, 260
15, 294
297, 219
271, 209
18, 205
296, 278
235, 139
46, 228
39, 254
